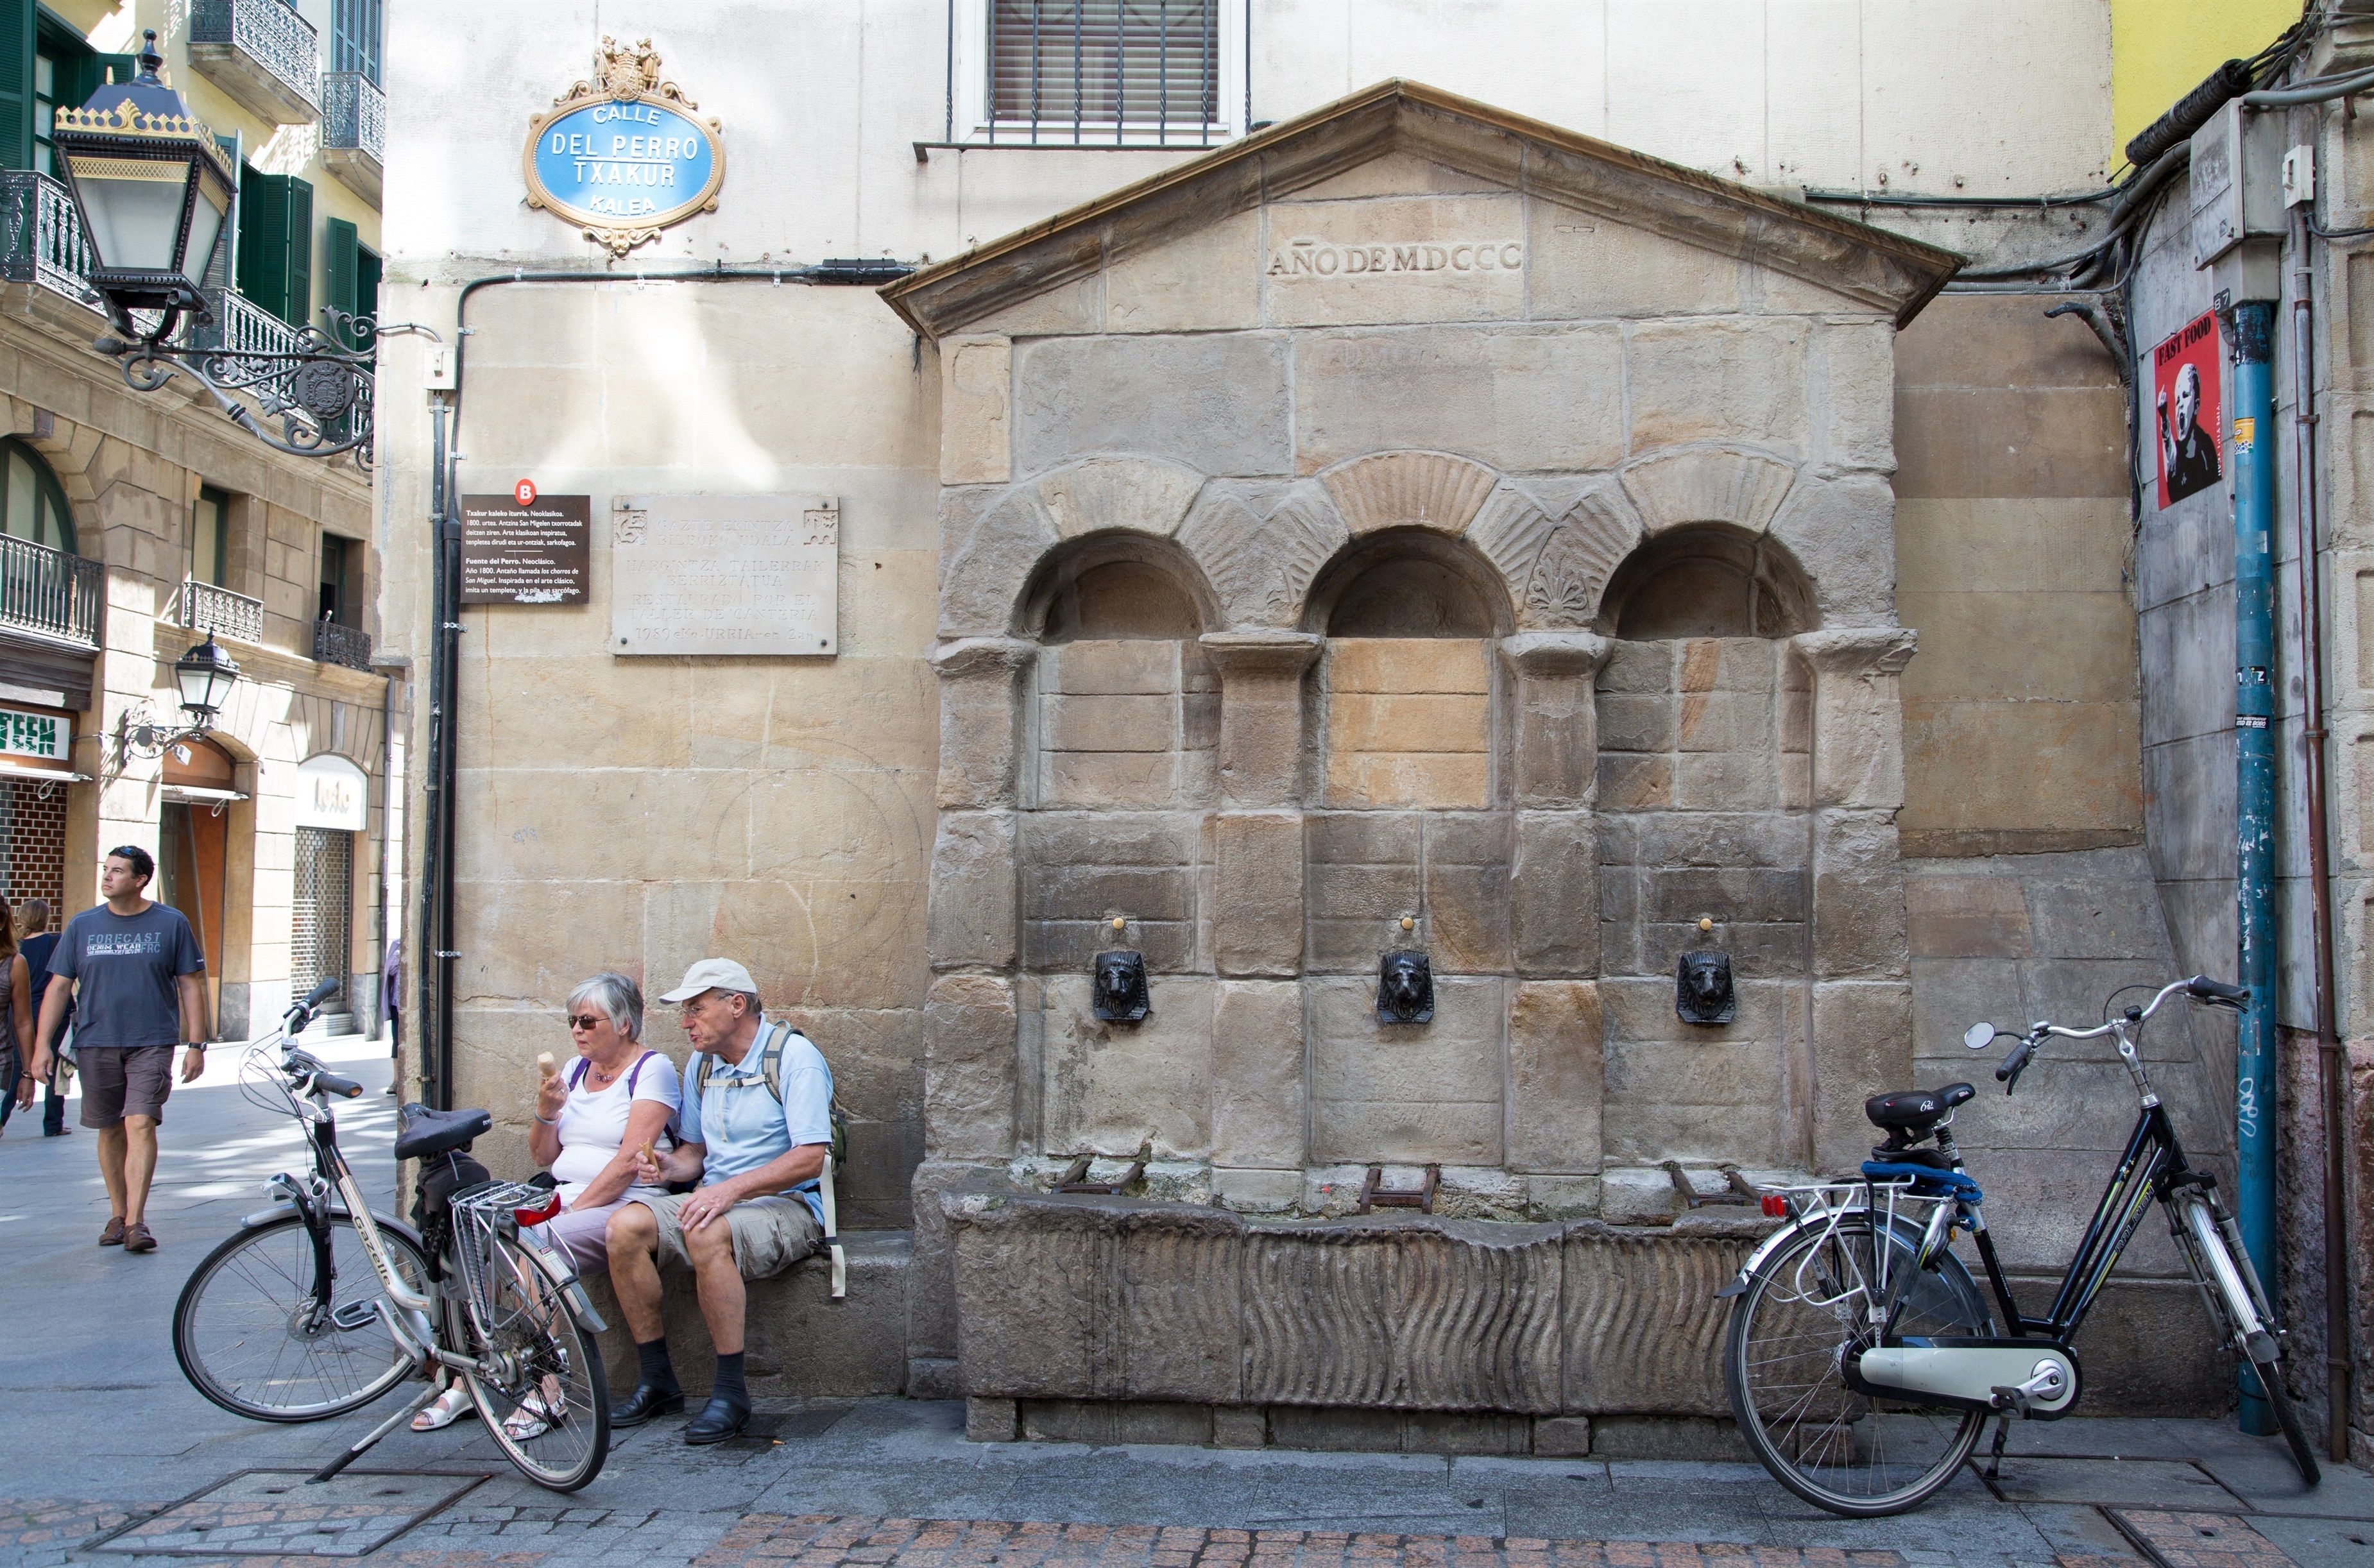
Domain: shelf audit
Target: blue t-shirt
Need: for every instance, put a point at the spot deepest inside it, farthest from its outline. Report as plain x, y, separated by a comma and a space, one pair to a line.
741, 1124
36, 951
126, 965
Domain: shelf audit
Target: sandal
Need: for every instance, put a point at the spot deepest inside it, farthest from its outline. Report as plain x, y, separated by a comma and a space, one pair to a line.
533, 1419
443, 1411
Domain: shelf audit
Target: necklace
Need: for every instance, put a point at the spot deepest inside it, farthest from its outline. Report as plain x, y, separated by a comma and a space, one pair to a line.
602, 1077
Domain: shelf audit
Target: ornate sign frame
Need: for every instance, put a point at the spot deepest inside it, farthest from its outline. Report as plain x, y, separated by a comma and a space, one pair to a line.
623, 75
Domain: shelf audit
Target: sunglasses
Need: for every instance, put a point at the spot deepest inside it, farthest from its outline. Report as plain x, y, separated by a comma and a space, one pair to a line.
586, 1020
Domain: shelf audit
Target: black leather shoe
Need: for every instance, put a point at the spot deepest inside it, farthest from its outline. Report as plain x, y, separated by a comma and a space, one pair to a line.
718, 1420
644, 1403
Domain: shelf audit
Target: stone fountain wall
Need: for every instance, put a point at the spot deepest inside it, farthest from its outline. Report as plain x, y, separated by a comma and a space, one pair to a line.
1273, 613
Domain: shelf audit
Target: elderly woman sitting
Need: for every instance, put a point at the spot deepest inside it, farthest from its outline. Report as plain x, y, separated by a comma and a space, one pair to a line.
598, 1112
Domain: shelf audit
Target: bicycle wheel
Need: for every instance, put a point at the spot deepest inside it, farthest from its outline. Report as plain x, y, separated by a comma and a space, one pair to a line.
1799, 1315
544, 1368
253, 1335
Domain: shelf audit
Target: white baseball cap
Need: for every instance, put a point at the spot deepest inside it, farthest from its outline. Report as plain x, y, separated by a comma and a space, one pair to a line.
712, 975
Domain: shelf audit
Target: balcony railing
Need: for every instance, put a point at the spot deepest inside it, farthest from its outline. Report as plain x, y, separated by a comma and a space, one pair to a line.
206, 608
354, 115
335, 644
242, 326
41, 236
53, 592
263, 53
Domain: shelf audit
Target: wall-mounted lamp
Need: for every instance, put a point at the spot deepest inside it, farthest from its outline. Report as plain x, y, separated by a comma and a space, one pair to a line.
203, 676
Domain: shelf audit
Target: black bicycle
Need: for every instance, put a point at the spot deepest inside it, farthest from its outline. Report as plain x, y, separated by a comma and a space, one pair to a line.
317, 1307
1863, 1361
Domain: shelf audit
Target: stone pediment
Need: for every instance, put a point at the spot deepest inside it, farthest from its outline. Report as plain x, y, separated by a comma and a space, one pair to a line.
1399, 138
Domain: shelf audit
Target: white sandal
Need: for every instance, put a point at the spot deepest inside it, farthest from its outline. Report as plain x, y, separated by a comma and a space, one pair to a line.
532, 1420
445, 1411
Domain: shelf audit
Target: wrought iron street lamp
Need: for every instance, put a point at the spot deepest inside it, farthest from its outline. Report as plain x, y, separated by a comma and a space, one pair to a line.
155, 190
205, 676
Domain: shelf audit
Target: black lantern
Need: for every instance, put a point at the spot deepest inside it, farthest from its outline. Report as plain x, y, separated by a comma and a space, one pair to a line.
153, 188
205, 674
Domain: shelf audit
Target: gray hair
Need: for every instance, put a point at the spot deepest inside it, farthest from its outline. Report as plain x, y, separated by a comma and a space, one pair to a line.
620, 1000
749, 1000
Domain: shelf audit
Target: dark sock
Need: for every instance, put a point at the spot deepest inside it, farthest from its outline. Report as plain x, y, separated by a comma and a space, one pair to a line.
657, 1372
729, 1383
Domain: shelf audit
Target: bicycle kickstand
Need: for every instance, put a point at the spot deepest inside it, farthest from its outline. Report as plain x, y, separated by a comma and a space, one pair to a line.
372, 1438
1994, 1456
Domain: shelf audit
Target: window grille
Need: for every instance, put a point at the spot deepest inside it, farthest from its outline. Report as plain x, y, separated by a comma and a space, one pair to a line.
1081, 72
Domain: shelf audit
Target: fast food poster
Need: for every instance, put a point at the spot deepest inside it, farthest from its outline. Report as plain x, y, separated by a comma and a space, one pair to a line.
2185, 405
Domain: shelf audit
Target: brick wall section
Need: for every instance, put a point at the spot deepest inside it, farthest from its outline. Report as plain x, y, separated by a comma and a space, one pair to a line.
34, 846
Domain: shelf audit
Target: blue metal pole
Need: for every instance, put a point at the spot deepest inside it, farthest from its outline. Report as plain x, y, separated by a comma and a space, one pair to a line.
2250, 467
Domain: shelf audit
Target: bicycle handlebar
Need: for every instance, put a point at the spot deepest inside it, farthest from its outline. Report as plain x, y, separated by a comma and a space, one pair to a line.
2200, 988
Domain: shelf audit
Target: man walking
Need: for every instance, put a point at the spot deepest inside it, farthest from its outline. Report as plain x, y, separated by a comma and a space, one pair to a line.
756, 1128
39, 943
133, 970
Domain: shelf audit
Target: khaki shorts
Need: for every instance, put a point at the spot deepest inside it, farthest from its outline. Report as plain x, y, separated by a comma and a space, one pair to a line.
770, 1234
121, 1081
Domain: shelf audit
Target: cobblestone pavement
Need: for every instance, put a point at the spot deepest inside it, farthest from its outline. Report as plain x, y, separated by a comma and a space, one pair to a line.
98, 1429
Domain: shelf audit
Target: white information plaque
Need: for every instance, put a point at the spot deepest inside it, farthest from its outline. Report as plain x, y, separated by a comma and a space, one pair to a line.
725, 574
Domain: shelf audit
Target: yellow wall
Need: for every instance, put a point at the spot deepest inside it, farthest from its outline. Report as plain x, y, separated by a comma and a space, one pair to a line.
2160, 49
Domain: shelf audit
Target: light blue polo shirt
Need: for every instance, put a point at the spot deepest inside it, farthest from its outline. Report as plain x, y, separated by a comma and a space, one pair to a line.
740, 1123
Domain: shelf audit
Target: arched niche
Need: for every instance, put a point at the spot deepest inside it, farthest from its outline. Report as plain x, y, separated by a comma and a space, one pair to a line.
1404, 694
1116, 587
1707, 581
1408, 582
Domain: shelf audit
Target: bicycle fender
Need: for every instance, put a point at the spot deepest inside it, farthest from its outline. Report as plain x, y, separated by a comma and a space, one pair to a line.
1773, 1244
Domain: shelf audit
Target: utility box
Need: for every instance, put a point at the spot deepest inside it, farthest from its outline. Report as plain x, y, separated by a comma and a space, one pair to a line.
2238, 202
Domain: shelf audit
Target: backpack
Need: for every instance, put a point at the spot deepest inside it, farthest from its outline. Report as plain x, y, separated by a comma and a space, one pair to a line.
770, 1069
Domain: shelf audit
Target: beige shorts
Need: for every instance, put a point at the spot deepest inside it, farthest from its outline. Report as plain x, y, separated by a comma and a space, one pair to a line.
770, 1234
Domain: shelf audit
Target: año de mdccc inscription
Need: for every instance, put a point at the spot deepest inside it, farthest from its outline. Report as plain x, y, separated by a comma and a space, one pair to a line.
1313, 258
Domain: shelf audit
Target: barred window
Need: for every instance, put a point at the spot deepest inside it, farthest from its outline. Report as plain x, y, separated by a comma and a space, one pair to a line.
1136, 63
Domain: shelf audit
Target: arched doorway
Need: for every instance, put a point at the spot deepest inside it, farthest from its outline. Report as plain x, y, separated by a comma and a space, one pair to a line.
333, 802
193, 844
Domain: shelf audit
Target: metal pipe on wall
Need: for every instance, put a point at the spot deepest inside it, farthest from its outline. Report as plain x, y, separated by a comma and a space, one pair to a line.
2331, 1075
2251, 324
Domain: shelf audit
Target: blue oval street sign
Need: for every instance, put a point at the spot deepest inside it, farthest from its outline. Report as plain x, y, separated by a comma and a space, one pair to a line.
623, 156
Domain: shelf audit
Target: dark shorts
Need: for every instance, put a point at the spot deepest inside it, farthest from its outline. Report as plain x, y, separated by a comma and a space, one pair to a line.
121, 1081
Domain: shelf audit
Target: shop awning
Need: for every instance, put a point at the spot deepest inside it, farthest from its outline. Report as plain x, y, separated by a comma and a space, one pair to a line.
46, 775
194, 795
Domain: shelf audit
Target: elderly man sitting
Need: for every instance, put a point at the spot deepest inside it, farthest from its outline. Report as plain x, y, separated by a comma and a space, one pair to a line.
756, 1125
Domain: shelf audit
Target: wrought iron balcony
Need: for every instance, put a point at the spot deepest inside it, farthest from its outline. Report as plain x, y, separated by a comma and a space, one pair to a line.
335, 644
206, 608
41, 239
53, 594
354, 130
261, 52
241, 326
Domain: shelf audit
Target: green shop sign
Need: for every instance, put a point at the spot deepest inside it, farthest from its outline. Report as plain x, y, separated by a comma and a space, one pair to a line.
622, 156
47, 736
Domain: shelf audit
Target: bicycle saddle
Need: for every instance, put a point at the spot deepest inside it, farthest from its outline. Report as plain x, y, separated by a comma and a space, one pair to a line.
426, 1133
1915, 1111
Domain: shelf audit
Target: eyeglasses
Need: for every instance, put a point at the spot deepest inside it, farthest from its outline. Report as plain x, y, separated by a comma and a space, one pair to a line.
586, 1021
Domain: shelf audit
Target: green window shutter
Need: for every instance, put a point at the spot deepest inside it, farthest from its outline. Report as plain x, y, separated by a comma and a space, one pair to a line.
105, 69
341, 258
262, 238
15, 84
367, 270
300, 253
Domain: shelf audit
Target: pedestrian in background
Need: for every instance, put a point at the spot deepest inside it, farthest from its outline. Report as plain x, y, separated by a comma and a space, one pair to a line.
37, 943
15, 1022
136, 973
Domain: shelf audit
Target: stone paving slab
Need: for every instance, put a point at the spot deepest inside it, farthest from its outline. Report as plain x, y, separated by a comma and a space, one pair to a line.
274, 1513
2173, 1539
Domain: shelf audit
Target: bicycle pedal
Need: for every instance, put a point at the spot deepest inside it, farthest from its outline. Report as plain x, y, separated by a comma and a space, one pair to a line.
2010, 1398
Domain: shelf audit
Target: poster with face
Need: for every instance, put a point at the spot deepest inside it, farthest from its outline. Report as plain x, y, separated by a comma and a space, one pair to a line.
2185, 402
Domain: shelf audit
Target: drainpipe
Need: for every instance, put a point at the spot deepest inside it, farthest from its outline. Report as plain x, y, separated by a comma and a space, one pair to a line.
2331, 1098
2253, 469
